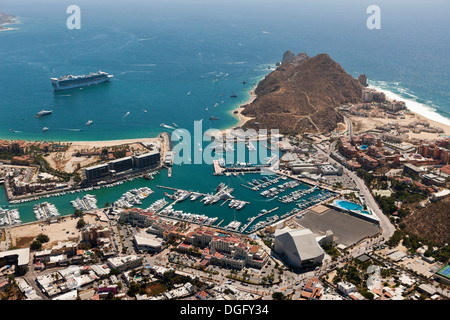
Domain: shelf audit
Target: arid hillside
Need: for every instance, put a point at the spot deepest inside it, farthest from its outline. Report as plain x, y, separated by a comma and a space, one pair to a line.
430, 223
301, 94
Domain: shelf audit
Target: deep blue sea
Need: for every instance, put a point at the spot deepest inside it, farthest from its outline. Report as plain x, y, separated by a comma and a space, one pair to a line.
159, 51
181, 60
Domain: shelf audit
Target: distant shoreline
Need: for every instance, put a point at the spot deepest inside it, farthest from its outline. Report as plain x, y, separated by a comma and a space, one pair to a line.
10, 19
241, 118
419, 109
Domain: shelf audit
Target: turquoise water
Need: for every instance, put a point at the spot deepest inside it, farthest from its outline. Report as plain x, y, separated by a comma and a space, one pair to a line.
158, 51
181, 60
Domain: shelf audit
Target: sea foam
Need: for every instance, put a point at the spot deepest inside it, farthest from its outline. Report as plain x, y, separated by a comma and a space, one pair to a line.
426, 110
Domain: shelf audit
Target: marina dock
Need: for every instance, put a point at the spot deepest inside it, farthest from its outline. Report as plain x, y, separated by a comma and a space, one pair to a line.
218, 170
256, 217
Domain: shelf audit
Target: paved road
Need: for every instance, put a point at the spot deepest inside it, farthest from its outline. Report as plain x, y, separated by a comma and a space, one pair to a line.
350, 126
387, 227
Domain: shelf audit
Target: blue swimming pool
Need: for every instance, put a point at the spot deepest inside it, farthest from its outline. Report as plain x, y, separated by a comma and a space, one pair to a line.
347, 205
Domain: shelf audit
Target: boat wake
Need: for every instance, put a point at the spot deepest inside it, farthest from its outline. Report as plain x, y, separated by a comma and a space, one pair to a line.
68, 129
167, 126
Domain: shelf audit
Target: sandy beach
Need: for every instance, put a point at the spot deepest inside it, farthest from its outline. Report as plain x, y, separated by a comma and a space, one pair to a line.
64, 230
362, 124
109, 143
65, 161
243, 119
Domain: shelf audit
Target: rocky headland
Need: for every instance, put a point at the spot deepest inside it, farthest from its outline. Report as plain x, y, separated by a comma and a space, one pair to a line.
301, 95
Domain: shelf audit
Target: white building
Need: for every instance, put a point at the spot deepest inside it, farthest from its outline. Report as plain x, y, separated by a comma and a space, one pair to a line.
298, 248
71, 295
145, 241
124, 263
346, 287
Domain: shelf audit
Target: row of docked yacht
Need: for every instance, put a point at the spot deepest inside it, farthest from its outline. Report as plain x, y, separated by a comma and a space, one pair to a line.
179, 195
210, 199
268, 221
195, 195
88, 202
62, 193
9, 217
274, 191
157, 205
169, 211
45, 210
264, 223
296, 195
303, 203
233, 225
237, 204
133, 197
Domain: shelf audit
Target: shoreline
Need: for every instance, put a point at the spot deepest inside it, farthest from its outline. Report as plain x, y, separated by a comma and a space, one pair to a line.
417, 114
107, 143
14, 20
243, 119
239, 116
422, 111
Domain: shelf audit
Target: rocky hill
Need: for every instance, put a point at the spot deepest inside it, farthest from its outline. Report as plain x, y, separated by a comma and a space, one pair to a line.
301, 94
430, 223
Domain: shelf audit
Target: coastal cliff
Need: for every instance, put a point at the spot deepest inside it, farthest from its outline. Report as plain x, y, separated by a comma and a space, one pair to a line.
6, 18
301, 95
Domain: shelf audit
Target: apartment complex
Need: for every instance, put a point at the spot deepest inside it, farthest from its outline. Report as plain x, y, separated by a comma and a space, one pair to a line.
224, 249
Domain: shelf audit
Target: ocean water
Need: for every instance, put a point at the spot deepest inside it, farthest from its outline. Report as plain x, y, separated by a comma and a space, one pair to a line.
181, 60
159, 51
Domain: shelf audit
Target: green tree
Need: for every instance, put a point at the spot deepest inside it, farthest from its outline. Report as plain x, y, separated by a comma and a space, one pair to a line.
81, 223
78, 213
42, 238
278, 296
36, 245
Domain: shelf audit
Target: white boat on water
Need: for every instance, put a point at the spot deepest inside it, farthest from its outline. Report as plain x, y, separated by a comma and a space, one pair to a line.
45, 210
241, 205
195, 196
43, 113
9, 217
89, 122
44, 129
88, 202
214, 200
207, 199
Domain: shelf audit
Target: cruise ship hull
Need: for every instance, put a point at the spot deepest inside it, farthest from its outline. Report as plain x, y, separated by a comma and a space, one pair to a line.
58, 86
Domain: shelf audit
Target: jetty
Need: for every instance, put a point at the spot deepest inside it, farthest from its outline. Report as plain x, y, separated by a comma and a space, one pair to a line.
256, 217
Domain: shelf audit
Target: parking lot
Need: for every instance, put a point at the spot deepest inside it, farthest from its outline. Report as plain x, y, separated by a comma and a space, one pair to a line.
346, 228
344, 180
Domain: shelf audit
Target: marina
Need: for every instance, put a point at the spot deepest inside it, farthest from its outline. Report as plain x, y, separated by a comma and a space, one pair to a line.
9, 217
133, 197
236, 196
45, 210
88, 202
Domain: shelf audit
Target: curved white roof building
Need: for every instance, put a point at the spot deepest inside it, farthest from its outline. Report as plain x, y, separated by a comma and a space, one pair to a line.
298, 247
